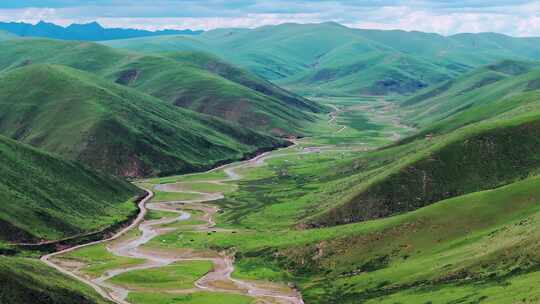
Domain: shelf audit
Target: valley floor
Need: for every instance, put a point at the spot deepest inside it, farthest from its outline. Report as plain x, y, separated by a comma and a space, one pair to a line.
237, 234
132, 269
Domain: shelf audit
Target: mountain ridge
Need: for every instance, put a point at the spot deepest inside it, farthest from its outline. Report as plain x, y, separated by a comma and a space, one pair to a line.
196, 82
329, 59
79, 116
92, 31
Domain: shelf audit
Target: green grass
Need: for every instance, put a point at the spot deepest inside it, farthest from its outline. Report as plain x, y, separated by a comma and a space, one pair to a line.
369, 121
160, 196
79, 115
518, 289
193, 298
31, 281
180, 275
208, 187
214, 175
100, 260
46, 198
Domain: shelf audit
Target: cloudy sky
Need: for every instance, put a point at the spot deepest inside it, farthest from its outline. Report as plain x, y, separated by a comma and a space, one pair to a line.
513, 17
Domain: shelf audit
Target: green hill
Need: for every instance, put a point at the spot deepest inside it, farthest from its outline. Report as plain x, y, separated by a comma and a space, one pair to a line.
206, 85
485, 93
30, 281
46, 198
475, 158
480, 247
114, 128
331, 59
217, 66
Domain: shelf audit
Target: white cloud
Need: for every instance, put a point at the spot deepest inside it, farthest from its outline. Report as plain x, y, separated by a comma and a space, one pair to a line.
206, 23
518, 18
406, 18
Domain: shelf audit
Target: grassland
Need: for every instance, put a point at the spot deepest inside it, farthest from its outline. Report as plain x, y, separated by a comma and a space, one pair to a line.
160, 196
99, 260
212, 175
473, 243
369, 121
180, 275
208, 187
195, 298
30, 281
156, 215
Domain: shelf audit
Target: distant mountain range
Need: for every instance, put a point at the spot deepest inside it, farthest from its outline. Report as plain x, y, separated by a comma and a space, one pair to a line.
329, 59
88, 32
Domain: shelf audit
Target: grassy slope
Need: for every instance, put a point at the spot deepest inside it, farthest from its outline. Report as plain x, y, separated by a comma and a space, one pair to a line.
79, 116
30, 281
475, 158
47, 198
206, 85
215, 65
330, 59
482, 239
481, 94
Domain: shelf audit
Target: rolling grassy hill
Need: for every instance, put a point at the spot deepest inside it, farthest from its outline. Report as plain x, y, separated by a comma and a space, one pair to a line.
114, 128
217, 66
196, 81
475, 158
480, 94
331, 59
47, 198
